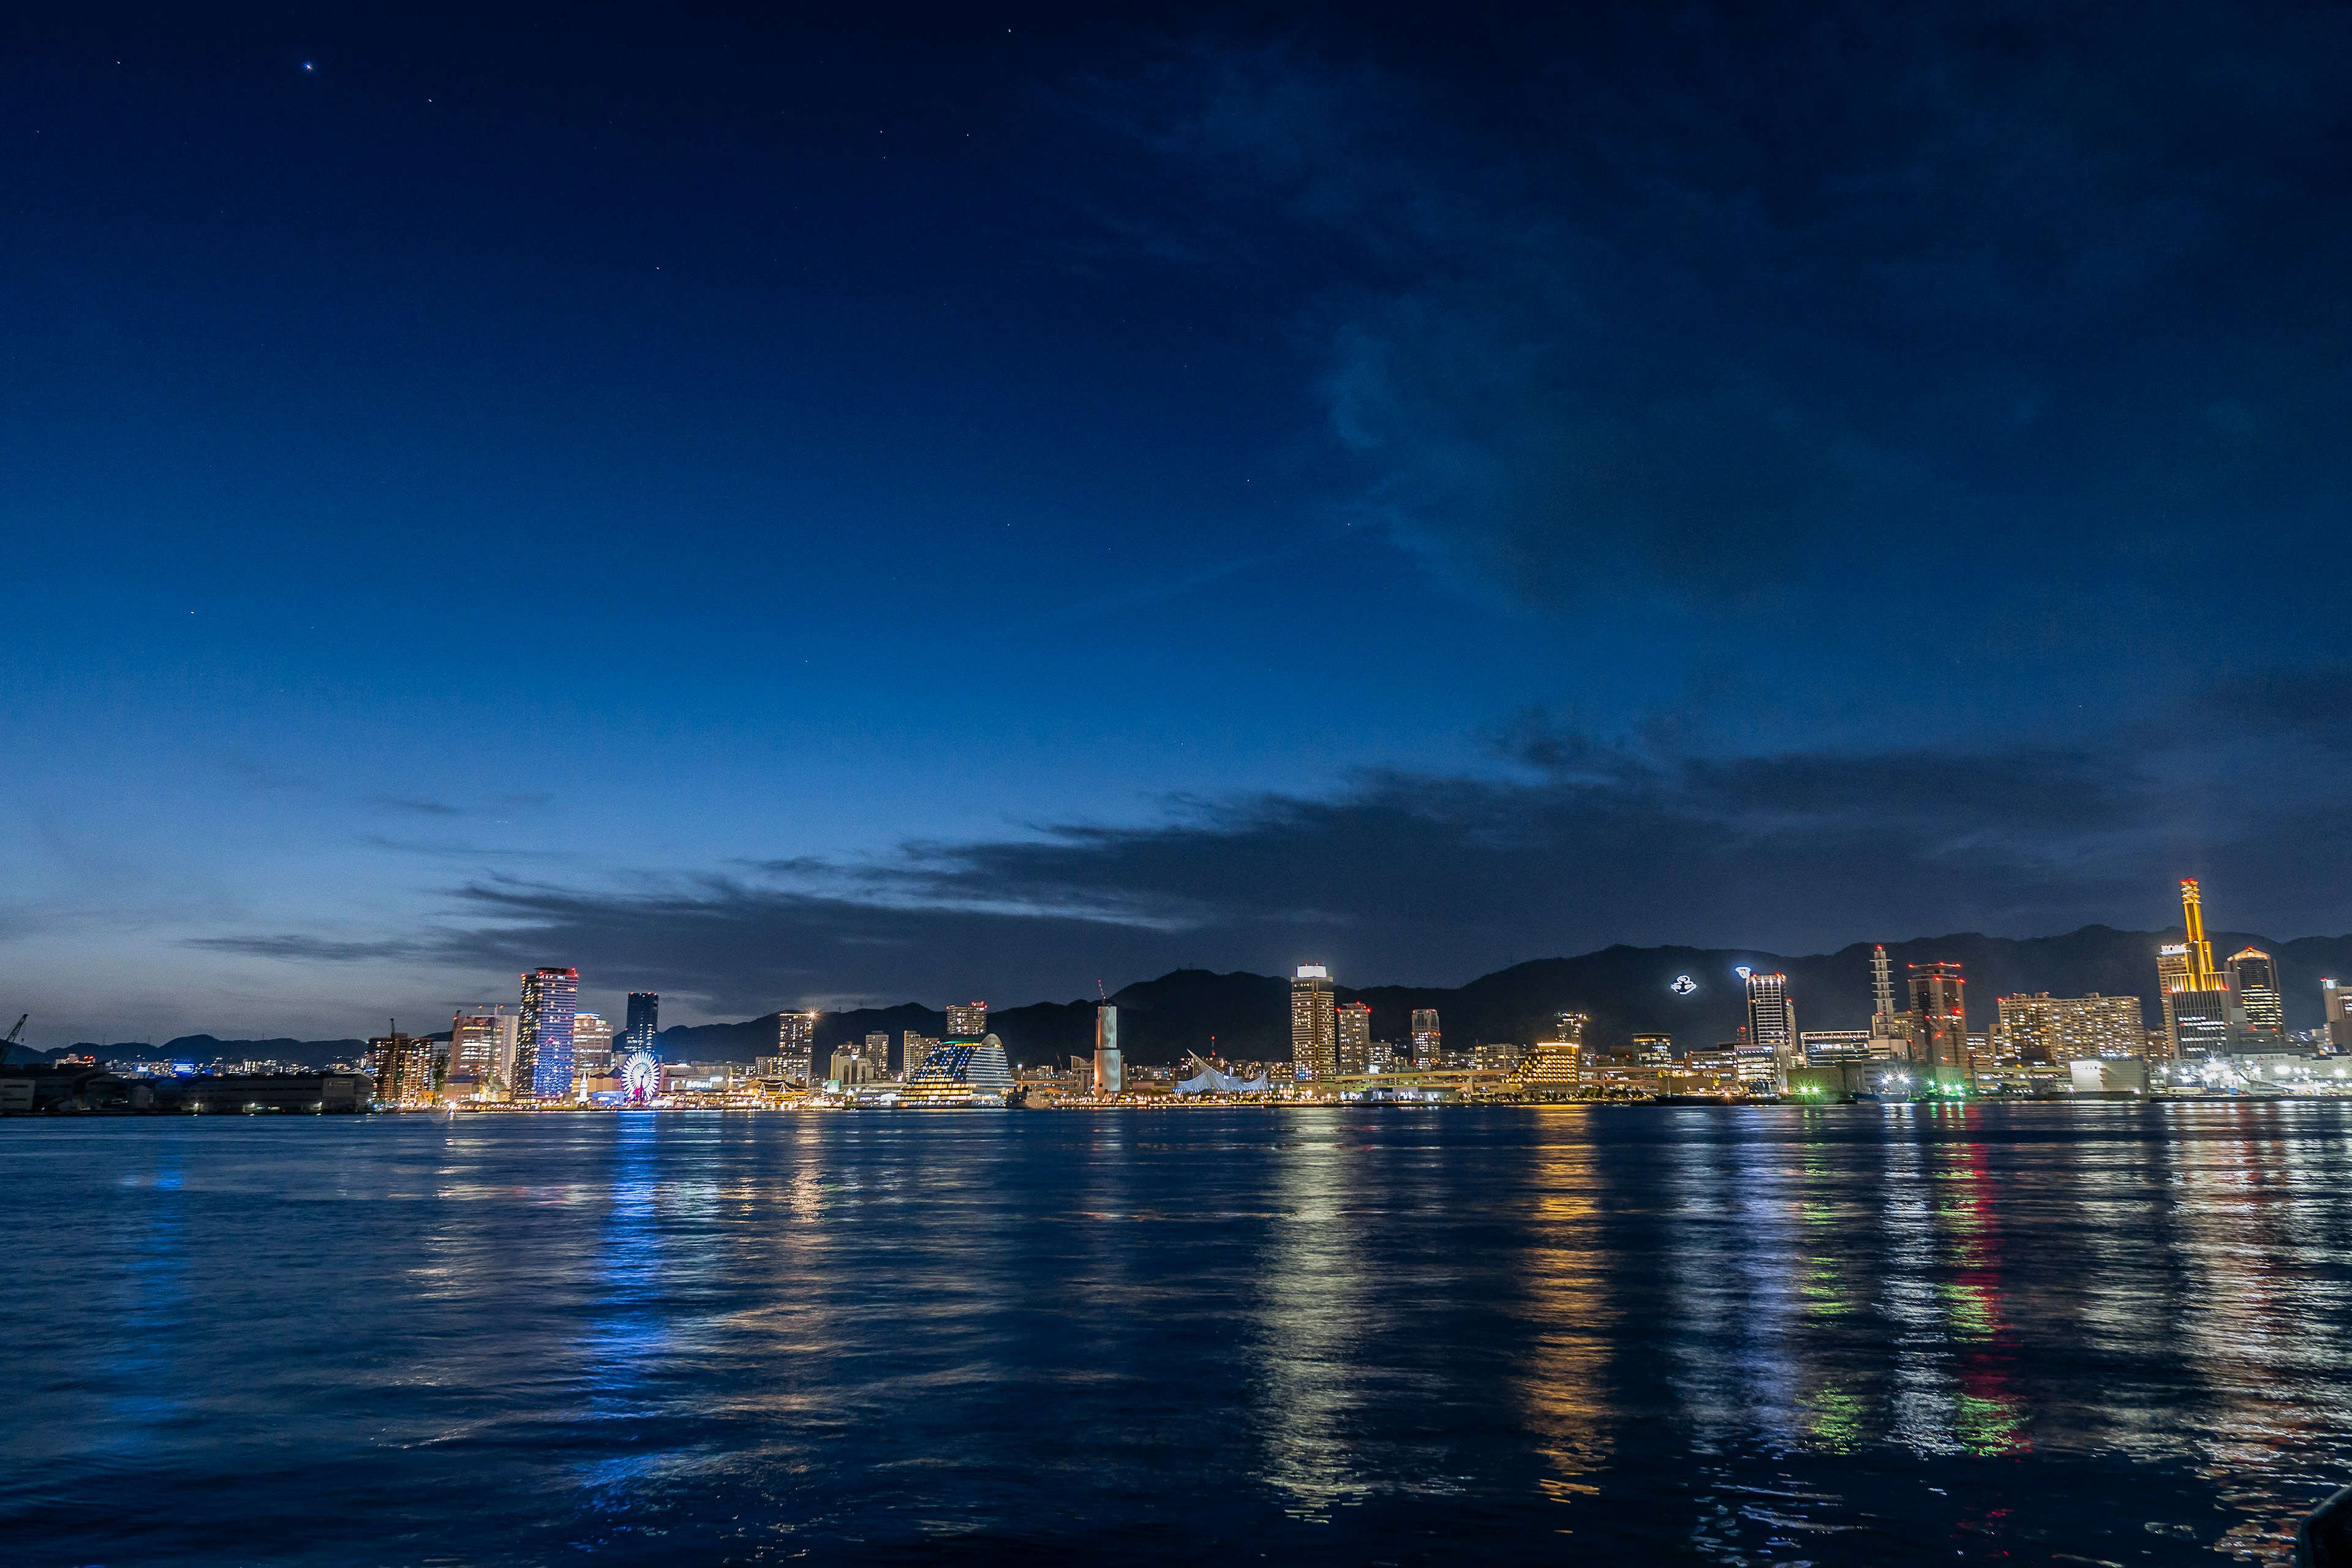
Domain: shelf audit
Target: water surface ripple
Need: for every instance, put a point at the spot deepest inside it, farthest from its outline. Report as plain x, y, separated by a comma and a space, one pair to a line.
2100, 1332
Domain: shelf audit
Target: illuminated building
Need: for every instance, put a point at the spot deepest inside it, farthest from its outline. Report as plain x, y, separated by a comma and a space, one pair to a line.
1351, 1040
591, 1043
914, 1050
2337, 1000
854, 1065
1497, 1056
1554, 1069
796, 1043
1940, 1000
1109, 1067
643, 1021
1894, 1034
2253, 980
1313, 1050
1771, 1027
967, 1020
542, 1066
2043, 1028
959, 1072
1428, 1041
401, 1065
482, 1046
1653, 1050
1822, 1047
2198, 1011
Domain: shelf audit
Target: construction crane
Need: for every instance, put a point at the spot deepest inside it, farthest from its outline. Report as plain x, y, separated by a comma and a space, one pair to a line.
16, 1034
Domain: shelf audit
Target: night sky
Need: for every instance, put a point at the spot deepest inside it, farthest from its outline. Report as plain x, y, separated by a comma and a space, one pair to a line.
870, 503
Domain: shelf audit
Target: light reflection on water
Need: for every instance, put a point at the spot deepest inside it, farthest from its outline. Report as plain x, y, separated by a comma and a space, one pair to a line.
2105, 1332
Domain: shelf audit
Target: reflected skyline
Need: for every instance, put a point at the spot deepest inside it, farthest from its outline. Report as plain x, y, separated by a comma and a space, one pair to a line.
1767, 1335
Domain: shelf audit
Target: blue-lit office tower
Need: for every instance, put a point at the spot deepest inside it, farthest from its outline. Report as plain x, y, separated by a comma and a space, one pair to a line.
543, 1044
644, 1021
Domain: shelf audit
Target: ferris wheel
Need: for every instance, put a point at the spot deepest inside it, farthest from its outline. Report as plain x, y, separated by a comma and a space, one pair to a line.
640, 1077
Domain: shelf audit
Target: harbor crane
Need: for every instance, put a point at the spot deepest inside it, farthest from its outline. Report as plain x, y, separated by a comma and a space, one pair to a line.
17, 1034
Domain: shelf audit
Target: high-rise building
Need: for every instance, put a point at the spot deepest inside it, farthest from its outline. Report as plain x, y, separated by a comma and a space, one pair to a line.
1313, 1048
877, 1050
2045, 1029
796, 1043
402, 1068
542, 1066
1553, 1069
1428, 1041
591, 1043
967, 1020
643, 1021
1772, 1026
1111, 1068
2253, 980
2200, 1014
912, 1052
482, 1046
1939, 999
1351, 1040
2337, 999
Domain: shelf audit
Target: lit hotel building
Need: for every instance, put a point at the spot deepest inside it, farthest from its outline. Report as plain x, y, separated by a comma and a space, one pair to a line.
2253, 980
1554, 1069
2046, 1029
1351, 1039
1939, 1002
1772, 1047
961, 1072
796, 1043
482, 1047
542, 1066
967, 1020
1313, 1024
1428, 1042
591, 1043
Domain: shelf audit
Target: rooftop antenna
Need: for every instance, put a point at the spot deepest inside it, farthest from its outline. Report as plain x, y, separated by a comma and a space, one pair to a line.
1100, 991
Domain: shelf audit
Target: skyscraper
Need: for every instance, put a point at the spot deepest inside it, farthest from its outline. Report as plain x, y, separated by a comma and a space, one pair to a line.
1313, 1048
2253, 980
877, 1050
1428, 1042
967, 1020
402, 1065
591, 1043
542, 1068
912, 1051
1772, 1027
1351, 1040
1111, 1068
796, 1043
482, 1045
1894, 1034
645, 1020
1939, 999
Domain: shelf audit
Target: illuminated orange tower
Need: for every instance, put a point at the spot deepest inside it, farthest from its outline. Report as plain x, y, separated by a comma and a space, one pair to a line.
2200, 952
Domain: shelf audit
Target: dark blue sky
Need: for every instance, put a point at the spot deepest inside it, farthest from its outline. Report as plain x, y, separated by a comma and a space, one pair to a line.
894, 504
